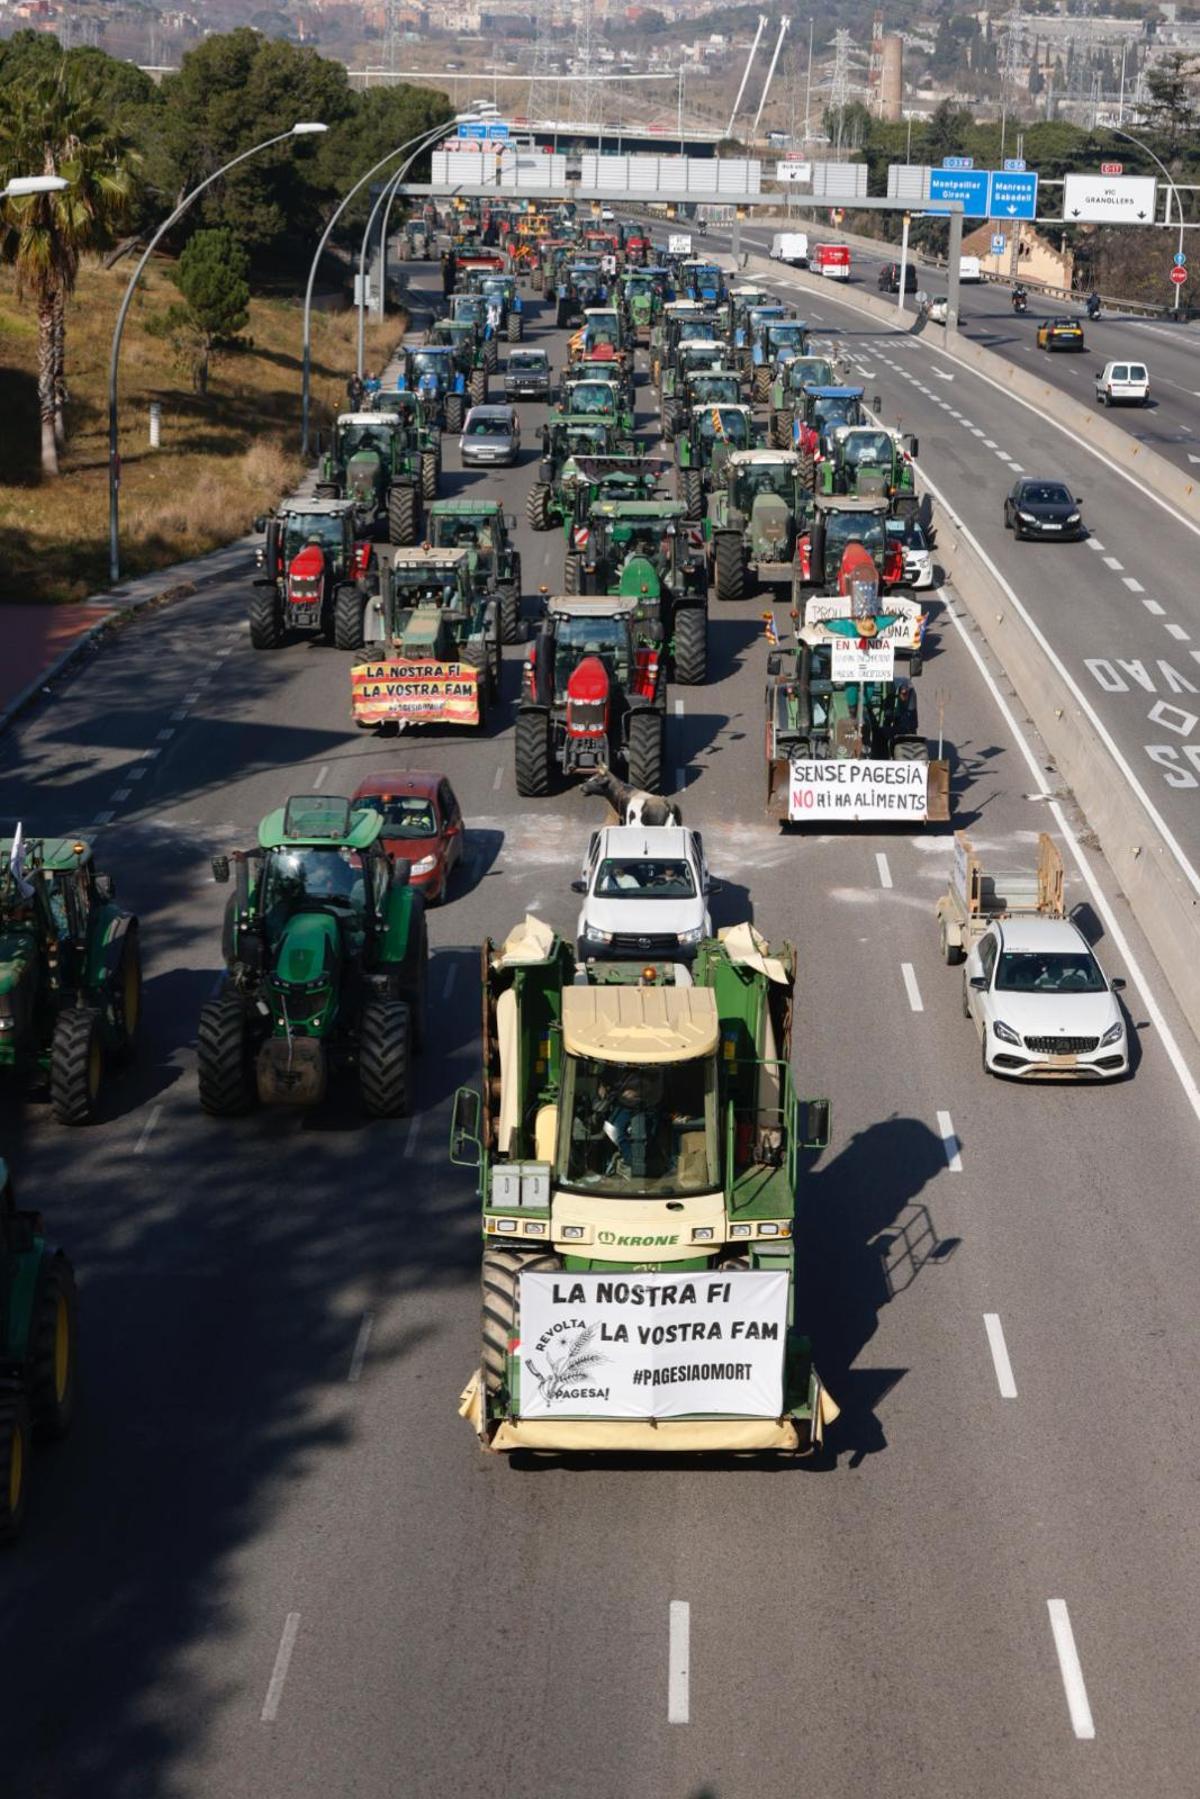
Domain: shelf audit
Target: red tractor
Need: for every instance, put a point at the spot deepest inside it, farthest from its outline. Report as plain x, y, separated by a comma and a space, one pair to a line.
312, 573
593, 696
837, 523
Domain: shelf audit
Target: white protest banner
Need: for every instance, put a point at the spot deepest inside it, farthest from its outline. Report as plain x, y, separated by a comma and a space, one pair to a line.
653, 1345
855, 790
904, 631
848, 662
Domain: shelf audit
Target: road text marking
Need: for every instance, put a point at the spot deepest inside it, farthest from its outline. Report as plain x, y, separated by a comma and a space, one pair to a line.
1072, 1673
999, 1348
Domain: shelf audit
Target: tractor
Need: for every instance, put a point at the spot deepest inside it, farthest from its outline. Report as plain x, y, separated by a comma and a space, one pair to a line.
421, 427
432, 639
484, 530
39, 1331
753, 322
500, 291
432, 371
682, 321
70, 973
645, 550
690, 357
591, 396
371, 462
593, 696
739, 303
325, 966
475, 310
474, 352
818, 412
642, 294
701, 280
416, 240
313, 569
868, 460
773, 341
551, 498
637, 1145
579, 284
789, 381
713, 434
756, 516
836, 522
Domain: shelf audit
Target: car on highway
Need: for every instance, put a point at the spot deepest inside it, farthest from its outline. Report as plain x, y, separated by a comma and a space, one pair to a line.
1123, 384
422, 825
918, 557
645, 891
527, 375
491, 437
1060, 334
889, 278
1038, 507
1042, 1005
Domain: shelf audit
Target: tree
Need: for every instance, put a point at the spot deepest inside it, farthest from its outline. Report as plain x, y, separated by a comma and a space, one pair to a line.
212, 277
56, 127
1171, 108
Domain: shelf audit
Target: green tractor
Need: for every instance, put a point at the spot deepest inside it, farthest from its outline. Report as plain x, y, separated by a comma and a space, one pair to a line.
713, 435
565, 439
421, 426
484, 530
637, 1142
473, 309
474, 356
432, 640
372, 462
788, 383
694, 356
70, 972
39, 1333
679, 322
646, 551
589, 395
642, 292
869, 461
756, 515
325, 966
709, 384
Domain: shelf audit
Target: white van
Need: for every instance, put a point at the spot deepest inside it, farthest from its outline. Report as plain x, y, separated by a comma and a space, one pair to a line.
1123, 383
969, 269
790, 247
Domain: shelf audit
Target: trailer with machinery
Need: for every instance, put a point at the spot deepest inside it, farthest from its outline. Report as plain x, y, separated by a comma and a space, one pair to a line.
637, 1144
977, 896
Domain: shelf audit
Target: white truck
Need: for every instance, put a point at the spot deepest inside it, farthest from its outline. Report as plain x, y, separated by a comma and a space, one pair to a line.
645, 891
969, 269
790, 247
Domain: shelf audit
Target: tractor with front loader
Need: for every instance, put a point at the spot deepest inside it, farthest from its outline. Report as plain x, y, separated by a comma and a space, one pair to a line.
372, 462
431, 639
70, 973
637, 1144
484, 530
325, 956
312, 570
646, 551
755, 517
40, 1337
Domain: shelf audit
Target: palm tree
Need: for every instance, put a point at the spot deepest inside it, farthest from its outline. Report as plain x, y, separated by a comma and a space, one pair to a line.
56, 128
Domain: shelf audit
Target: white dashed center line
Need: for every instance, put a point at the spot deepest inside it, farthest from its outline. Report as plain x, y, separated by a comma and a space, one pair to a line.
1153, 608
910, 987
999, 1349
1111, 562
1093, 543
414, 1131
361, 1344
1132, 585
1178, 633
287, 1643
950, 1142
1070, 1669
885, 873
678, 1661
147, 1130
497, 778
448, 983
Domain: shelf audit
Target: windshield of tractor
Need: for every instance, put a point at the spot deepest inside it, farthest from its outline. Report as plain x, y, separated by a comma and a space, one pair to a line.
688, 330
575, 638
700, 355
413, 585
294, 877
809, 372
843, 409
787, 336
639, 1132
593, 396
427, 362
868, 449
649, 537
463, 531
303, 527
622, 877
725, 425
842, 528
355, 439
717, 390
763, 477
403, 814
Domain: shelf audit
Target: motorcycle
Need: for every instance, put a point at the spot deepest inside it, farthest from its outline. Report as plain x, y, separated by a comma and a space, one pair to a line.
1093, 306
1020, 303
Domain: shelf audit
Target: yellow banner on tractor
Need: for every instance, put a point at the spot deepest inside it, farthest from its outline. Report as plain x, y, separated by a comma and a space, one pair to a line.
415, 693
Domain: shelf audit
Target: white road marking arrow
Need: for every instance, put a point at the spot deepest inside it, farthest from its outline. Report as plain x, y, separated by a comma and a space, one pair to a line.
941, 374
1192, 458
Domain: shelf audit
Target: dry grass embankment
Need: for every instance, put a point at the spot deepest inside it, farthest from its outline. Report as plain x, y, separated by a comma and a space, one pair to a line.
225, 456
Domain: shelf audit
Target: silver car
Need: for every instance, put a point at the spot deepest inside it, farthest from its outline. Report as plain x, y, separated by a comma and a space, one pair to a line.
491, 437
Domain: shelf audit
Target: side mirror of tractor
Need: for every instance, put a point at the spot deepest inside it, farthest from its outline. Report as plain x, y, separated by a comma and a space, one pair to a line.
260, 523
911, 445
220, 869
105, 888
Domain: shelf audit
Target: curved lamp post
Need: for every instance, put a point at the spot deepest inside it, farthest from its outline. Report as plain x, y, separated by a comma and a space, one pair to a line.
388, 193
1138, 144
306, 374
306, 128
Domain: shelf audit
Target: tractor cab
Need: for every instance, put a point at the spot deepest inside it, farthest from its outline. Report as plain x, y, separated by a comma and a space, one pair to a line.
839, 521
796, 373
701, 280
781, 338
364, 454
592, 397
472, 309
310, 547
697, 353
585, 633
602, 325
821, 410
424, 599
755, 320
714, 387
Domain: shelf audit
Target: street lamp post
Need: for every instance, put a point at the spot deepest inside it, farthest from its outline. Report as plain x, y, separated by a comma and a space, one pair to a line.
1171, 187
339, 209
388, 193
306, 128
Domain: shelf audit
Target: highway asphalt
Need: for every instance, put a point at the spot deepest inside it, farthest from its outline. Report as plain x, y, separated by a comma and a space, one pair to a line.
271, 1560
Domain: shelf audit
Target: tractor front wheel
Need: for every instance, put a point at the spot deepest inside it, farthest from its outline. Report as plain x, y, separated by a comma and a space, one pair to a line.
730, 562
14, 1465
537, 506
691, 491
645, 749
402, 516
223, 1062
532, 755
53, 1350
510, 614
384, 1056
500, 1279
454, 412
691, 646
429, 475
76, 1066
349, 607
266, 619
572, 570
479, 387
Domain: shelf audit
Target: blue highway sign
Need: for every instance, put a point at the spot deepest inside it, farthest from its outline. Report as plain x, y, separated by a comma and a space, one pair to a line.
1013, 196
969, 186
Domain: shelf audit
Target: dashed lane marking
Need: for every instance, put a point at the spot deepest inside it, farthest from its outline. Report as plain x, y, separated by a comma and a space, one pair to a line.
1071, 1670
915, 1001
147, 1130
321, 776
885, 873
679, 1634
283, 1657
1093, 543
166, 736
361, 1344
679, 708
1133, 585
1153, 608
950, 1143
122, 793
101, 818
448, 983
497, 778
414, 1131
1178, 633
999, 1349
1114, 564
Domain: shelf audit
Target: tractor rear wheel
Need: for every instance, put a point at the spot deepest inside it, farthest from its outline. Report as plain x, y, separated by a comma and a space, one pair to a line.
691, 491
14, 1464
645, 749
510, 614
537, 506
384, 1046
500, 1290
127, 992
808, 470
454, 412
349, 606
572, 569
762, 385
266, 619
670, 421
402, 516
429, 475
512, 329
730, 562
532, 755
53, 1350
691, 646
224, 1069
76, 1065
491, 356
479, 387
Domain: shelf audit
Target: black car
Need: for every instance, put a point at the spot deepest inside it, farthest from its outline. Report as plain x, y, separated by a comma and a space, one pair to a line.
1039, 507
527, 375
889, 278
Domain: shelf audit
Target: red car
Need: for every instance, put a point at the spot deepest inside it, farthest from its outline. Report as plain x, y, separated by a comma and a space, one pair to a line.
422, 825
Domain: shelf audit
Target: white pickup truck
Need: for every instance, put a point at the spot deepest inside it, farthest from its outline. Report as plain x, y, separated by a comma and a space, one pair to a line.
645, 891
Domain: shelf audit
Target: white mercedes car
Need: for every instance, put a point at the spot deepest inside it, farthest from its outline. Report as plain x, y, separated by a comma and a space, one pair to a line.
1042, 1005
918, 557
645, 891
